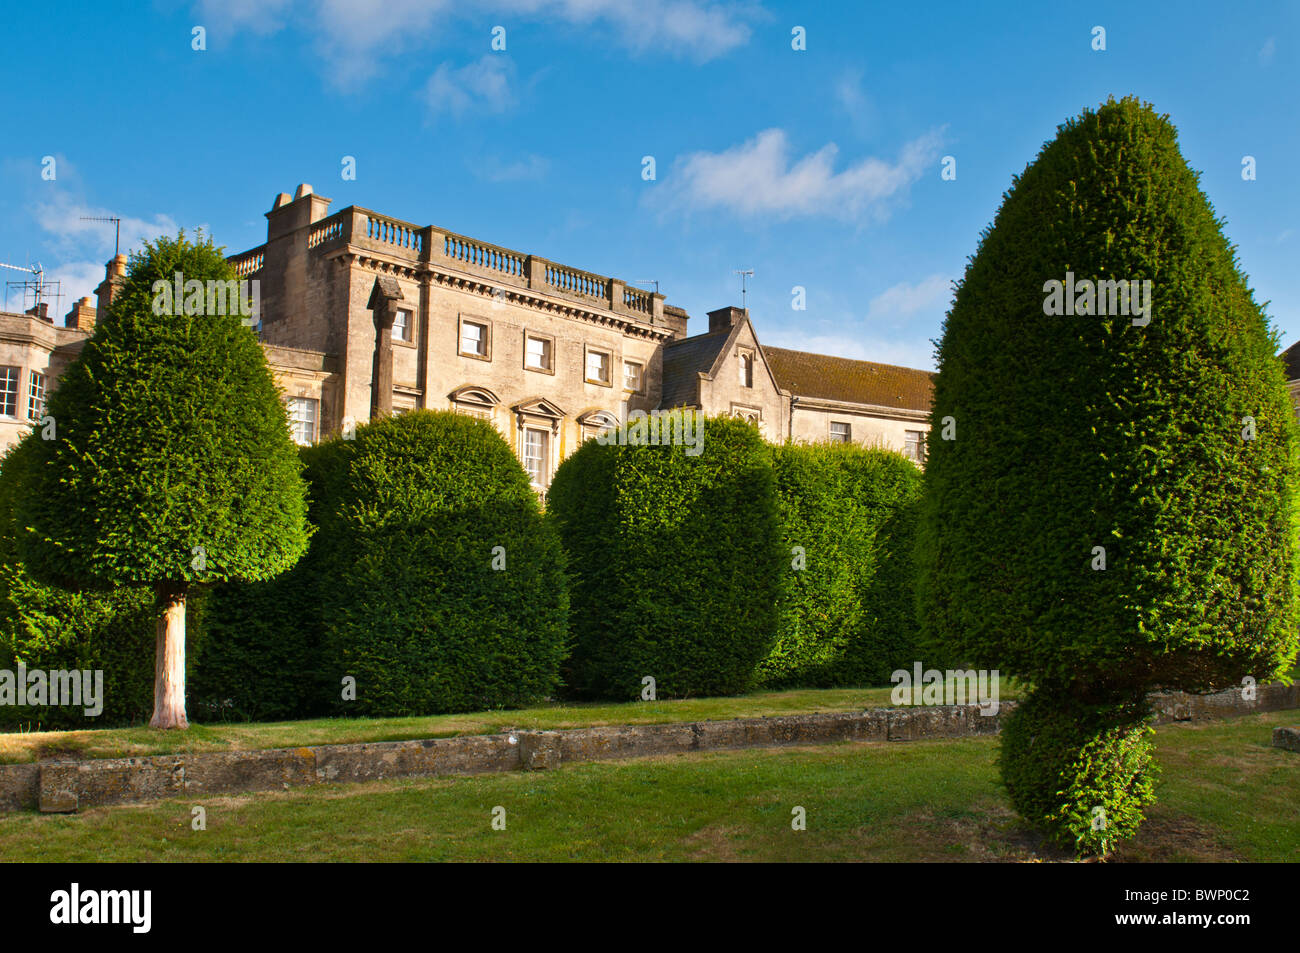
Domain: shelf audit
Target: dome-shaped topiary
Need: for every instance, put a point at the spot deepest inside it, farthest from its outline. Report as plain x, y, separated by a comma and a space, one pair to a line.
676, 560
446, 589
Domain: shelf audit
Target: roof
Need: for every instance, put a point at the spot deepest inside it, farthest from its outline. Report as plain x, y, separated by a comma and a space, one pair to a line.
683, 362
1291, 361
856, 382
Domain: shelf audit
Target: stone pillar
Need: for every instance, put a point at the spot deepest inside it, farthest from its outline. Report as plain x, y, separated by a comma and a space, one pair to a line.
383, 302
535, 270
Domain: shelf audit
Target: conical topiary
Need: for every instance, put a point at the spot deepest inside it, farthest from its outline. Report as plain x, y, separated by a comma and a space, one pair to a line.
1109, 501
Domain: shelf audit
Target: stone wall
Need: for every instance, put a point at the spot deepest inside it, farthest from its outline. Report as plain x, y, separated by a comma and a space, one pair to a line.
62, 786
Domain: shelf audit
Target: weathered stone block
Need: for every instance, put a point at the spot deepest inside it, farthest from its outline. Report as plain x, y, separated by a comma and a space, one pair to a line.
1287, 739
539, 750
20, 786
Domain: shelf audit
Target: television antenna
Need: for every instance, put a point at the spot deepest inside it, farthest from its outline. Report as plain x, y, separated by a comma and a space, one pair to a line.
117, 232
36, 288
745, 275
649, 281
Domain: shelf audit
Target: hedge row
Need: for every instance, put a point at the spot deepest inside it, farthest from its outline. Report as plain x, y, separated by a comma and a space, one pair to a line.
676, 561
51, 629
847, 520
432, 583
435, 584
739, 565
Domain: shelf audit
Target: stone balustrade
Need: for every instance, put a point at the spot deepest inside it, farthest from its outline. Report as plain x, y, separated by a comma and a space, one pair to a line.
504, 266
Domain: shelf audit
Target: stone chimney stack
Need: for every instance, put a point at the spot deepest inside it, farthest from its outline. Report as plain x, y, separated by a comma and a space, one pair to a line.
724, 319
114, 271
42, 311
288, 215
82, 315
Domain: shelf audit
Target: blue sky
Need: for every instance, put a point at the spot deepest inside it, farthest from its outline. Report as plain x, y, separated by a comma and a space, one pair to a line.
818, 168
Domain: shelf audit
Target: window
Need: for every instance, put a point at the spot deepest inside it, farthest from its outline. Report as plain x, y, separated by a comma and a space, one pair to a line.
746, 369
475, 340
9, 391
35, 396
537, 353
597, 367
914, 447
841, 432
536, 443
632, 376
402, 328
303, 418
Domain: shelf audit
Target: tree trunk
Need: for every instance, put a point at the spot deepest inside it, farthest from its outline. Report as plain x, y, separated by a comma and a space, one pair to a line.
169, 659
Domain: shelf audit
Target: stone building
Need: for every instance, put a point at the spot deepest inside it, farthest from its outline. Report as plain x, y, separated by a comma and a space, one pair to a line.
549, 354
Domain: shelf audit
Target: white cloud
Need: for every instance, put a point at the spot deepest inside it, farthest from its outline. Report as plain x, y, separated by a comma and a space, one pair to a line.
76, 251
526, 168
698, 30
852, 98
62, 216
357, 39
1267, 52
759, 178
223, 18
902, 302
482, 86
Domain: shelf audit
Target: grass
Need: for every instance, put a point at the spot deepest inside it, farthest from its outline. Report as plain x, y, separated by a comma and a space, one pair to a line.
1225, 794
18, 747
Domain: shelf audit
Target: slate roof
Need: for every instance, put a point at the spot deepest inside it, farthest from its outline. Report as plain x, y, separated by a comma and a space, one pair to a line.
1291, 361
858, 382
683, 361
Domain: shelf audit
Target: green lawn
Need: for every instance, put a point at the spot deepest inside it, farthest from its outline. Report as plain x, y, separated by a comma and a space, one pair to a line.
226, 736
1225, 795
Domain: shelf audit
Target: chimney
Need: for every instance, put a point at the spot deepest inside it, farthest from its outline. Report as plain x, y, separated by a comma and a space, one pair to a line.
41, 310
288, 215
114, 271
724, 319
82, 315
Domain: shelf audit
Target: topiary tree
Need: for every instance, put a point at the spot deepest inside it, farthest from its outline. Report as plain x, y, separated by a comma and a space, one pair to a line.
1109, 500
170, 464
676, 558
848, 615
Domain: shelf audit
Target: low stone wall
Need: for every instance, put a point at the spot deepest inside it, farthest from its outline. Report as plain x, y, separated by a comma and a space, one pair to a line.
63, 786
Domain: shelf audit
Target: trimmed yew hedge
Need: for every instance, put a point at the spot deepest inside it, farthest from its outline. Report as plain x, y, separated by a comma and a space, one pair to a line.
49, 628
848, 616
676, 562
398, 590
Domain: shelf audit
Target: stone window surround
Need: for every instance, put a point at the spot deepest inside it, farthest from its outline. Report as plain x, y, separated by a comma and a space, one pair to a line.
744, 354
550, 339
16, 373
486, 324
640, 376
609, 365
412, 325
